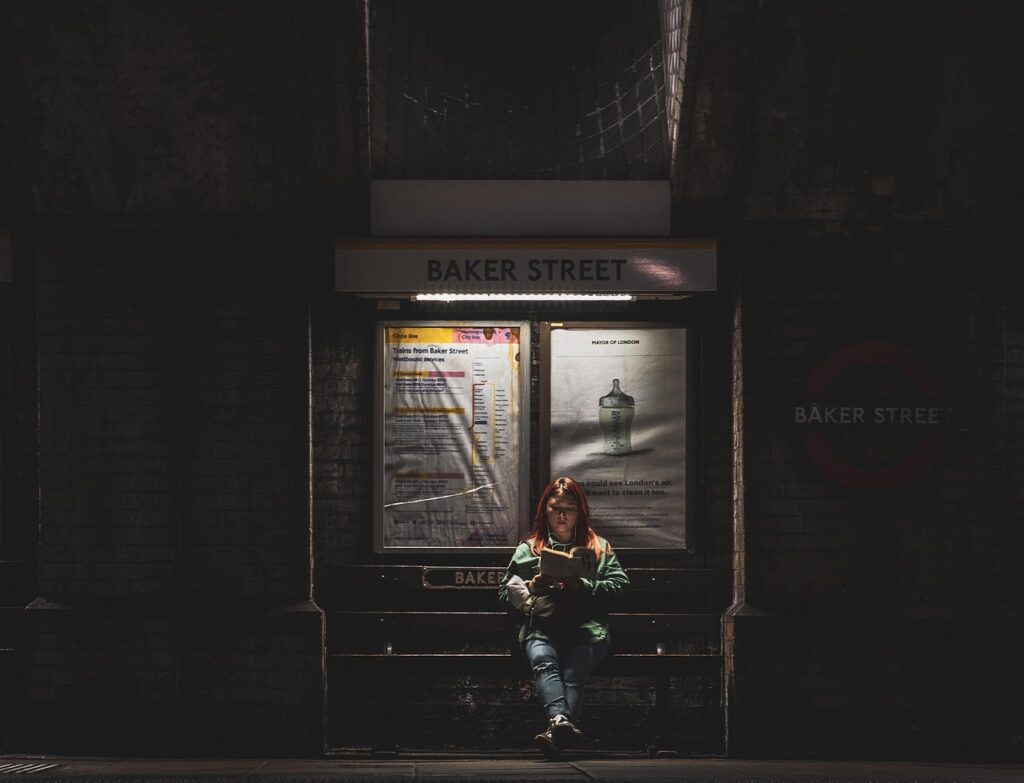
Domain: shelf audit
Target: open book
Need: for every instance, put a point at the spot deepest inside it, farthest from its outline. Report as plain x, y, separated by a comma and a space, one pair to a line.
579, 561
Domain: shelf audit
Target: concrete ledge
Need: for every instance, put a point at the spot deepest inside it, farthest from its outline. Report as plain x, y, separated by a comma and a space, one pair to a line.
578, 767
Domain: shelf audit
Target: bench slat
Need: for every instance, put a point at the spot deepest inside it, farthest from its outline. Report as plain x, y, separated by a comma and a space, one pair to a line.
343, 626
382, 588
410, 578
622, 665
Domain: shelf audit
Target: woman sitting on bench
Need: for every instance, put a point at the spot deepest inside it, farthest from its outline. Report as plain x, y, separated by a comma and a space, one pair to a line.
563, 620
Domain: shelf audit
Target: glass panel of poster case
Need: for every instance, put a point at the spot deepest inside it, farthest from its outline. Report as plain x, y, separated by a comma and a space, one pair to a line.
617, 399
452, 432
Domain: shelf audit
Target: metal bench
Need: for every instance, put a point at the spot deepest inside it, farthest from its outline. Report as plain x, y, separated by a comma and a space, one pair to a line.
382, 620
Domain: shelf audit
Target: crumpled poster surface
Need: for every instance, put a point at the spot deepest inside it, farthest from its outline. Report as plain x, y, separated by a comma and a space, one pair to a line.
451, 448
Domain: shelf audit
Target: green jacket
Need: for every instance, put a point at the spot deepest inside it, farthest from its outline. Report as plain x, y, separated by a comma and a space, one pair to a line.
591, 621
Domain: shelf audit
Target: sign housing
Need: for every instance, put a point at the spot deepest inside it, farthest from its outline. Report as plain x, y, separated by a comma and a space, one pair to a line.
390, 267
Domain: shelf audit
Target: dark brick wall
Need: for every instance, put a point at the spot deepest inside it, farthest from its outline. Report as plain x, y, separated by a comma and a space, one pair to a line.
874, 594
174, 492
246, 434
845, 111
176, 175
849, 158
848, 95
193, 109
716, 422
343, 365
813, 300
106, 494
107, 376
1013, 401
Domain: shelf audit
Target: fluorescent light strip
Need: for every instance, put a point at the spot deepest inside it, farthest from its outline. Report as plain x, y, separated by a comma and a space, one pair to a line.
524, 297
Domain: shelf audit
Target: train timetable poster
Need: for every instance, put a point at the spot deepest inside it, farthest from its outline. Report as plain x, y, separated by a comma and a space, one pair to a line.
451, 467
618, 401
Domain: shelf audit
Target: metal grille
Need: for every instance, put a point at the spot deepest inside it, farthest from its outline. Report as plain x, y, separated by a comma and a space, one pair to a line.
517, 90
675, 35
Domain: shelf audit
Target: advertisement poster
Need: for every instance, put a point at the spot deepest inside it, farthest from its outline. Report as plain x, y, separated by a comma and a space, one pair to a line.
452, 405
618, 426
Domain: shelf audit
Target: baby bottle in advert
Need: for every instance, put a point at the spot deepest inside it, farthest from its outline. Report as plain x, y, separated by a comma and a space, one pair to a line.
616, 416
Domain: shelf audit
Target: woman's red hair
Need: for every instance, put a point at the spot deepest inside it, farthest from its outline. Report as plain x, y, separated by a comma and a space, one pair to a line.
584, 533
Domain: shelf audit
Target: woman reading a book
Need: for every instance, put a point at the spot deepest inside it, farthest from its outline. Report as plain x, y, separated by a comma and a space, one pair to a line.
558, 583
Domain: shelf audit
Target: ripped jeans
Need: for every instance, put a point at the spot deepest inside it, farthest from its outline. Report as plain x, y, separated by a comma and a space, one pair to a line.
560, 670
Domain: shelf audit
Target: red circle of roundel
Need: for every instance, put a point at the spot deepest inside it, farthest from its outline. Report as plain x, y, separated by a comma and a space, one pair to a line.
831, 462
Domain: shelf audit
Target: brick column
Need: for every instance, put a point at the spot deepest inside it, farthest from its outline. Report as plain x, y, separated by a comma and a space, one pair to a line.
175, 610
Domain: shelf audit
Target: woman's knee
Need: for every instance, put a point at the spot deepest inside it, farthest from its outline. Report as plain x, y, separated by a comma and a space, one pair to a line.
575, 677
542, 658
544, 662
581, 662
545, 668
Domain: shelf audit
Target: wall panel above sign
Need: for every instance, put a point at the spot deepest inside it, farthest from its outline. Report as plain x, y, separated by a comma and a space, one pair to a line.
504, 208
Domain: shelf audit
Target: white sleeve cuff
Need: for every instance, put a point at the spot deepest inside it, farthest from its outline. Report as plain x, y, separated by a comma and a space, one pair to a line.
518, 592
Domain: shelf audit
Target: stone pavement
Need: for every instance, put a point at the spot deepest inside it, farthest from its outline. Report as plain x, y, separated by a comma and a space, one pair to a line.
499, 770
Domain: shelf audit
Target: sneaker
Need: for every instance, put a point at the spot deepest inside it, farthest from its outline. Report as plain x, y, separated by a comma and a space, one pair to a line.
564, 732
546, 744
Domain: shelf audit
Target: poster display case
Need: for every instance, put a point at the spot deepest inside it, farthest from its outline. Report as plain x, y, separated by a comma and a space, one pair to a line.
452, 432
617, 400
